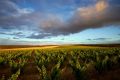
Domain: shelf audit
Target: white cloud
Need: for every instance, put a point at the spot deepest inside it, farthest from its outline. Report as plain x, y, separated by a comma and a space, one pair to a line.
25, 11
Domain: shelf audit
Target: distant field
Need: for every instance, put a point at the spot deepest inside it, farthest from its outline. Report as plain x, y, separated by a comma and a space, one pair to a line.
65, 62
27, 48
52, 46
22, 46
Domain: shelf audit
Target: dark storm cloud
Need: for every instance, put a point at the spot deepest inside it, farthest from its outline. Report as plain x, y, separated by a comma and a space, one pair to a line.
84, 14
101, 14
111, 16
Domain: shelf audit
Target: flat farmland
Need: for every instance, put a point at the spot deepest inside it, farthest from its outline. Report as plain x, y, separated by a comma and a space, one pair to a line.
65, 62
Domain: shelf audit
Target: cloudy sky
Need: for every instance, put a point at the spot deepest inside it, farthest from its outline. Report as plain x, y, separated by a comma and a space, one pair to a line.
59, 22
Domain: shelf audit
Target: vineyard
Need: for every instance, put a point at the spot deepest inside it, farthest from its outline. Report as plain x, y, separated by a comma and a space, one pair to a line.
60, 64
